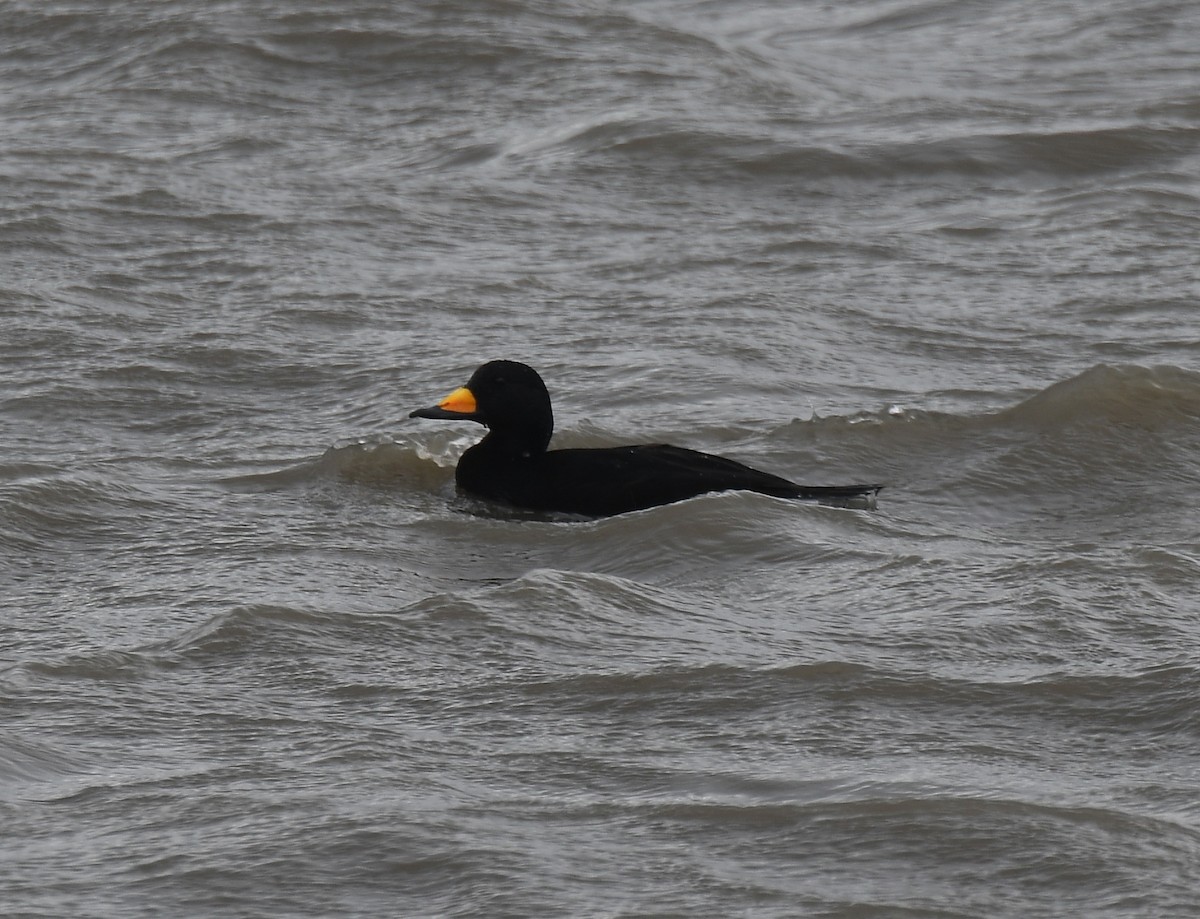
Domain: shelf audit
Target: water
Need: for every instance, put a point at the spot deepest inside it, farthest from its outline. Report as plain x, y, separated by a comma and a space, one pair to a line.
259, 658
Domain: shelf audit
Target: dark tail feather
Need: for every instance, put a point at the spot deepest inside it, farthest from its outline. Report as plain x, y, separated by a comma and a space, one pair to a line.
857, 496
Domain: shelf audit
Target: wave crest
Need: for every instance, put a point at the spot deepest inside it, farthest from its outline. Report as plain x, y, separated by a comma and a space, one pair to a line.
427, 464
1144, 397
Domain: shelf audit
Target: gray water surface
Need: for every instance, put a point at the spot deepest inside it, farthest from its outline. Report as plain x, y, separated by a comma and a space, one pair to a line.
258, 658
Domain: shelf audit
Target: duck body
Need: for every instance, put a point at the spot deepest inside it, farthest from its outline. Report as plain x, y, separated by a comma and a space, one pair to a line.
605, 481
513, 465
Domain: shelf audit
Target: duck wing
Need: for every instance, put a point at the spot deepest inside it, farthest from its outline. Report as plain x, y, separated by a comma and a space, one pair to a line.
614, 480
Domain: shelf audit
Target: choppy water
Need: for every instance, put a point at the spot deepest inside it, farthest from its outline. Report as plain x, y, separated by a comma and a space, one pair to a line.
259, 659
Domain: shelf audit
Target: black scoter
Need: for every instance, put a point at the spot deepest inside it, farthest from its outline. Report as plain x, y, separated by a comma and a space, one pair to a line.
513, 465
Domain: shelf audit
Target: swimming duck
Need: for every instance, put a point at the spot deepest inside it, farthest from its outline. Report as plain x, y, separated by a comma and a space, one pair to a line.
512, 464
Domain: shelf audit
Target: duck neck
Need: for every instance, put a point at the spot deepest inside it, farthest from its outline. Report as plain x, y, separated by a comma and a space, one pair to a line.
515, 445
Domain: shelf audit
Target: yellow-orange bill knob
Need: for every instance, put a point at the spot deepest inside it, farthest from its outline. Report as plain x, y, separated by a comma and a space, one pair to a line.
462, 400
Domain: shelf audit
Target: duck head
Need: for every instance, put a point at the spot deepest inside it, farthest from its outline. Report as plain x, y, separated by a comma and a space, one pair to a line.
507, 397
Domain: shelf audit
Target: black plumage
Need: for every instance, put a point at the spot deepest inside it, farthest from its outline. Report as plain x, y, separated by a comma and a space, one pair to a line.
512, 463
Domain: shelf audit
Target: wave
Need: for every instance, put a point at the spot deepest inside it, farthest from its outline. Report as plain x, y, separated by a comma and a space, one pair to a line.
1106, 430
232, 633
1153, 700
29, 761
684, 145
245, 629
265, 58
425, 464
45, 504
1150, 398
877, 805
